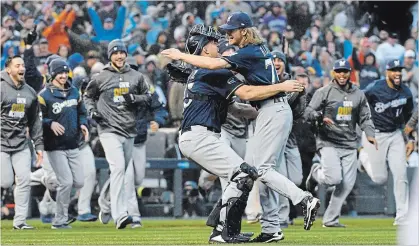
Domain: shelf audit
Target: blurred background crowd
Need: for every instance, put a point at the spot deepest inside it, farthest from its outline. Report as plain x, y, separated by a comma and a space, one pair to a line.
312, 34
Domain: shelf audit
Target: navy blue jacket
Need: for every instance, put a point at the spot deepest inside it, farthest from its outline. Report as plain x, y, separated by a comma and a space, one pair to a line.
390, 108
65, 107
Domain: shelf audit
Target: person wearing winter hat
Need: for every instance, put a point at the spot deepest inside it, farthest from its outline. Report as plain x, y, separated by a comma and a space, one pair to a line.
121, 93
64, 120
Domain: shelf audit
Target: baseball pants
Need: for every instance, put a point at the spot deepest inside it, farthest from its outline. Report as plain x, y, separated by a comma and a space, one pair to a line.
338, 168
68, 168
139, 160
264, 151
391, 149
211, 153
89, 169
118, 152
16, 166
408, 233
291, 168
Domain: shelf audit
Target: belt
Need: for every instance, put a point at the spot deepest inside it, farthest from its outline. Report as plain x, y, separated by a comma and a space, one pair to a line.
271, 100
189, 128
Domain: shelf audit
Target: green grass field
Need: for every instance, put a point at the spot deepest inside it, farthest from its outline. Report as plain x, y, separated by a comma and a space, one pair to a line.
378, 231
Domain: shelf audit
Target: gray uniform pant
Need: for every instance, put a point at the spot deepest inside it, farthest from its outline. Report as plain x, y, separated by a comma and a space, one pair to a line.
139, 160
338, 168
68, 168
89, 168
391, 148
17, 166
264, 151
291, 168
118, 152
211, 153
408, 234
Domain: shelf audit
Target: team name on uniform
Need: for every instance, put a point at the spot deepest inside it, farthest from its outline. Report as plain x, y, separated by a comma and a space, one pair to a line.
381, 107
58, 107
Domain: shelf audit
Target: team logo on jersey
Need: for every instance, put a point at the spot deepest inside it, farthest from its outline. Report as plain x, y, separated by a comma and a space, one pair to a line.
232, 80
58, 107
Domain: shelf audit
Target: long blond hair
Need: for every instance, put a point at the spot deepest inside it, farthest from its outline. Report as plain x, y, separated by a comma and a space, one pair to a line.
251, 36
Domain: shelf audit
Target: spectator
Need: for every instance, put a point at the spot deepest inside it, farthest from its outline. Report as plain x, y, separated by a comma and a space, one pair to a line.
276, 20
75, 60
110, 29
409, 71
63, 51
374, 42
359, 54
368, 70
293, 43
56, 34
163, 40
388, 50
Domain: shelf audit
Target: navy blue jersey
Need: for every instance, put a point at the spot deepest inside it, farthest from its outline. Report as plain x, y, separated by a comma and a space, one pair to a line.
390, 108
207, 97
255, 63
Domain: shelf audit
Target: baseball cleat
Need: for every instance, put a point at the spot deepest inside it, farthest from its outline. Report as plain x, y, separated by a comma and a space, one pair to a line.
268, 237
23, 227
87, 217
123, 222
217, 237
59, 227
104, 218
310, 207
335, 225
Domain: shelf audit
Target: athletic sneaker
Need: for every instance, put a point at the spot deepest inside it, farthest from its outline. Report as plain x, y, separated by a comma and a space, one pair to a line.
311, 183
104, 218
216, 237
87, 217
123, 222
336, 225
70, 220
310, 206
59, 227
47, 218
268, 237
23, 227
136, 222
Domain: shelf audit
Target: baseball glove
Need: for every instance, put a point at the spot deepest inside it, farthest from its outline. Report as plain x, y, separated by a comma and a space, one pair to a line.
179, 72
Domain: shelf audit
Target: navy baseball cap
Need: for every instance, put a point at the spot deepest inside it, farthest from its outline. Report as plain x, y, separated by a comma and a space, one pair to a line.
223, 46
394, 63
341, 64
237, 20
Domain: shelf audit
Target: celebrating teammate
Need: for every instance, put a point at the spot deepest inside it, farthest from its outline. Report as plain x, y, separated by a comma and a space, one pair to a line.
274, 121
112, 99
341, 106
63, 118
391, 105
19, 111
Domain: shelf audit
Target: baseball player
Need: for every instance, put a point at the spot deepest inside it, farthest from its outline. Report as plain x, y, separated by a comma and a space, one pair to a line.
139, 162
391, 105
19, 111
340, 105
64, 119
234, 133
273, 124
290, 166
207, 98
112, 99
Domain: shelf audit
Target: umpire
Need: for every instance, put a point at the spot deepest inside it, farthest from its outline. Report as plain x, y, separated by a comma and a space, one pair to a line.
340, 105
112, 99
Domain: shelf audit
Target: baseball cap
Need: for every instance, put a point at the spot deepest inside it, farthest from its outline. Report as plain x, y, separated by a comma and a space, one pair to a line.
43, 41
237, 20
410, 53
394, 63
341, 64
276, 4
374, 39
223, 46
109, 20
289, 28
394, 35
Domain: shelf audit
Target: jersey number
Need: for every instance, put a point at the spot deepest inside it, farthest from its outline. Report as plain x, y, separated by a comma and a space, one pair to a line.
269, 63
399, 111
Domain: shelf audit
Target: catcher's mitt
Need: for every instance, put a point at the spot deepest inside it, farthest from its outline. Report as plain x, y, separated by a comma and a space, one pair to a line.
178, 72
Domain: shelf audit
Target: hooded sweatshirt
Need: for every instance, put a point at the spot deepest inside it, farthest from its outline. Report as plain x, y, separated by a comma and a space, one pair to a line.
104, 95
346, 107
64, 106
19, 109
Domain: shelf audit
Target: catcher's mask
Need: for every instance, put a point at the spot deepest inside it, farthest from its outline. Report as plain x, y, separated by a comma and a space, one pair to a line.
199, 36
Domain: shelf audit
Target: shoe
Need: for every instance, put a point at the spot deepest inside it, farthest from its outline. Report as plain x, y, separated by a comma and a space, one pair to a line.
87, 217
70, 220
310, 207
336, 225
311, 183
283, 225
291, 222
268, 237
123, 222
104, 218
58, 227
47, 219
353, 213
247, 234
217, 237
136, 223
23, 227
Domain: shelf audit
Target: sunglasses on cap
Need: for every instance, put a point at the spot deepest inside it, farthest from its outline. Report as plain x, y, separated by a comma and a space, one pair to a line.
342, 71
